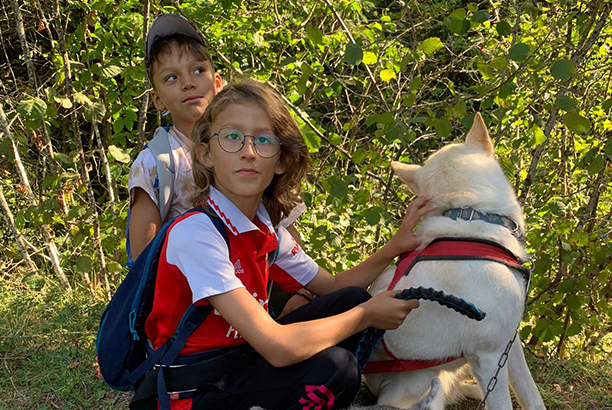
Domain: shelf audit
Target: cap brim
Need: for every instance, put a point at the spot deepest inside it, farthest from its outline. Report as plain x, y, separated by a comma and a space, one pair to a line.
166, 24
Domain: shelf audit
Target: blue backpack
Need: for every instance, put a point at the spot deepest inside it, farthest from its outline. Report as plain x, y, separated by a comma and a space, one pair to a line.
123, 354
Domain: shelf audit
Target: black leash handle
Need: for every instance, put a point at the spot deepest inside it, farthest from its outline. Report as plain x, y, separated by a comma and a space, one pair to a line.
372, 337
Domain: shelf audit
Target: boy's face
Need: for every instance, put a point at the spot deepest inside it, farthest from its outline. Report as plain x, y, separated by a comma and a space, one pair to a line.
244, 175
184, 86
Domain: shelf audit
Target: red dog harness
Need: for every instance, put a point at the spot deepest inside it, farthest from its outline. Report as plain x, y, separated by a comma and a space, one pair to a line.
442, 249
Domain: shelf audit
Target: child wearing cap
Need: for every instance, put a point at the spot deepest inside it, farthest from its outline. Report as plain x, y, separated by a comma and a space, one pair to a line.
184, 81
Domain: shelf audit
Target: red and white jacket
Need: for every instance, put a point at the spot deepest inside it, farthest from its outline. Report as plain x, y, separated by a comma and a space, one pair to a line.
195, 264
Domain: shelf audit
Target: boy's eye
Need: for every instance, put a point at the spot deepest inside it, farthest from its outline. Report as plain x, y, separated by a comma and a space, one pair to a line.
171, 78
233, 136
264, 139
199, 70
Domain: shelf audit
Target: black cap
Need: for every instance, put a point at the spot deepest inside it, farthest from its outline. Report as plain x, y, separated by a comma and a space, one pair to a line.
166, 24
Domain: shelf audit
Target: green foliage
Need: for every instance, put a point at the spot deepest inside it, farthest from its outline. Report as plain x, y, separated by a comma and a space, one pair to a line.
410, 83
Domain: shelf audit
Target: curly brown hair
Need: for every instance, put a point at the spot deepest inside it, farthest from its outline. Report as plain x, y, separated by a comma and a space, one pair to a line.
283, 193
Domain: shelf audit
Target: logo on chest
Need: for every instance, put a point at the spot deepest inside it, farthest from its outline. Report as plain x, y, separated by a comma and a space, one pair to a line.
238, 268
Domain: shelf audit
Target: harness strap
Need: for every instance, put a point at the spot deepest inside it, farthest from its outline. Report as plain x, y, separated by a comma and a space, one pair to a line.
458, 249
442, 249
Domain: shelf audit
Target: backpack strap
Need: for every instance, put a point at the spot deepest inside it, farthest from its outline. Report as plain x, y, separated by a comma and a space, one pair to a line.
165, 355
161, 150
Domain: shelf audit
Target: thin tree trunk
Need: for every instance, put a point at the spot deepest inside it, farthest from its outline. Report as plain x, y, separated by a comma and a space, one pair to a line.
47, 149
10, 221
46, 234
142, 114
79, 146
109, 178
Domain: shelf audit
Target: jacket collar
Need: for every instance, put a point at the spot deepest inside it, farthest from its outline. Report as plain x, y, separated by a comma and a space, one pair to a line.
233, 217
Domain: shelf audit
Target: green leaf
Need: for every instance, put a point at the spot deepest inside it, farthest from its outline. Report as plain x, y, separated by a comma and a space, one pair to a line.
380, 118
32, 109
314, 34
574, 329
454, 24
576, 122
518, 52
506, 90
353, 54
387, 75
83, 264
567, 286
443, 127
339, 188
431, 45
574, 302
62, 158
563, 70
369, 58
565, 103
503, 28
486, 71
373, 216
596, 165
481, 16
312, 140
109, 71
114, 267
556, 207
359, 155
95, 113
119, 154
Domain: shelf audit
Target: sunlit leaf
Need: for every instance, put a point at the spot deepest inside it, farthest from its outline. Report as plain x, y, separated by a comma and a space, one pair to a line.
119, 154
430, 45
387, 75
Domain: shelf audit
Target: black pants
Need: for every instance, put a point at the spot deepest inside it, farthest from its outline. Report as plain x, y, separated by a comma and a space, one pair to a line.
329, 379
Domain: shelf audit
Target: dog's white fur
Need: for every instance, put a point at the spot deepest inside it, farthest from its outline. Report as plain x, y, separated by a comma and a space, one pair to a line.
460, 175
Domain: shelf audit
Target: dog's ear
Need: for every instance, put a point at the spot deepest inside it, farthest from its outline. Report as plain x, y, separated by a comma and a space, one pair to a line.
479, 136
408, 174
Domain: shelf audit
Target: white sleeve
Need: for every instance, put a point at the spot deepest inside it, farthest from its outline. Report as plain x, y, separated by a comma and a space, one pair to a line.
292, 259
199, 251
294, 214
143, 174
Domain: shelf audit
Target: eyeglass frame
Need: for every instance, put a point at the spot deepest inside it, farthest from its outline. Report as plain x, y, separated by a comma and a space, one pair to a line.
217, 134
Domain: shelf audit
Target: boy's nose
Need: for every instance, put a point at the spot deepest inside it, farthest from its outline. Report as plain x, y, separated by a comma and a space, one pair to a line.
188, 84
248, 148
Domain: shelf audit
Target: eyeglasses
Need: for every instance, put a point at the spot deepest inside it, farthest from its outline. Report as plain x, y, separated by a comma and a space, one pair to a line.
232, 140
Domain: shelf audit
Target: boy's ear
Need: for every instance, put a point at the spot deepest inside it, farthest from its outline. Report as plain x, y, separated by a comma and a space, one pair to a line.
159, 104
218, 83
280, 168
203, 155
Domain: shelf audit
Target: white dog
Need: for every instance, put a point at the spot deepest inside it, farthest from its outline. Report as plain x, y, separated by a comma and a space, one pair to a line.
461, 176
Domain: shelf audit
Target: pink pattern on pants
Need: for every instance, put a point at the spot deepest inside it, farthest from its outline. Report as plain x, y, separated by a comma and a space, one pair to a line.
313, 401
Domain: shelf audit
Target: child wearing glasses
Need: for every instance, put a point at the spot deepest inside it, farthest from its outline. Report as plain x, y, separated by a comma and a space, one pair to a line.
249, 160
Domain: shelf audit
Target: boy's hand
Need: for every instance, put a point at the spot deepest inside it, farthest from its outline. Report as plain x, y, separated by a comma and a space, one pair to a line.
386, 312
405, 240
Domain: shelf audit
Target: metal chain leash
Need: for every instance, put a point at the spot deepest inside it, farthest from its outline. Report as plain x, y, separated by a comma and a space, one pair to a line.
500, 365
504, 357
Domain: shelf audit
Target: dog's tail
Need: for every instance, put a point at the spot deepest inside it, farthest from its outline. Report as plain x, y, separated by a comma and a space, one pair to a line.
434, 399
522, 383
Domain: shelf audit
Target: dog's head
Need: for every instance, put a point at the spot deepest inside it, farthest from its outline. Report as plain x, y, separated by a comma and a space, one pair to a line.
462, 175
